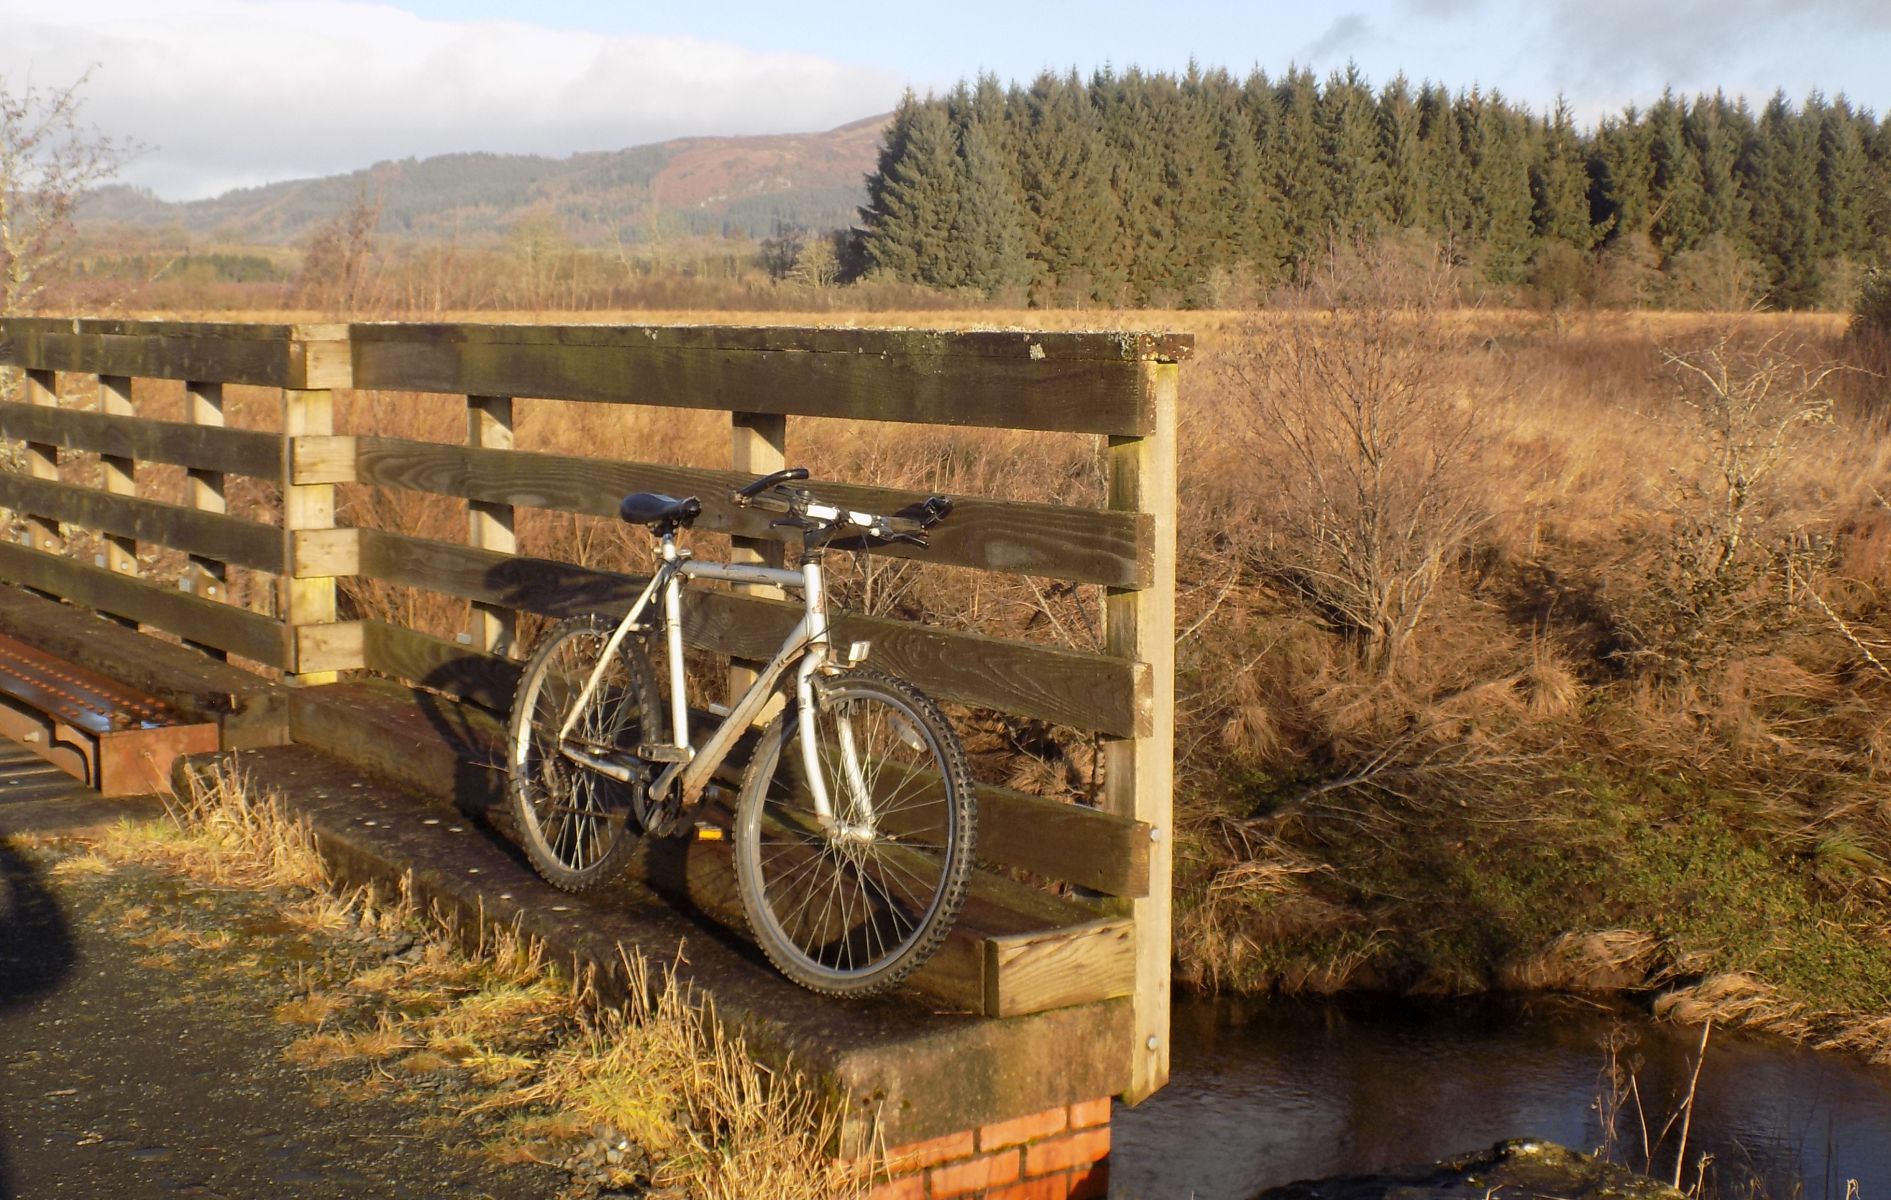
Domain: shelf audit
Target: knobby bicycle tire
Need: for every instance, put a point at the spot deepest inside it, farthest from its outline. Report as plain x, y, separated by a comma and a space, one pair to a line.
855, 916
576, 824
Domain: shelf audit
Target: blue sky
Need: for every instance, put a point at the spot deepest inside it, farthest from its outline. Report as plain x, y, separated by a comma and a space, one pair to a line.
237, 92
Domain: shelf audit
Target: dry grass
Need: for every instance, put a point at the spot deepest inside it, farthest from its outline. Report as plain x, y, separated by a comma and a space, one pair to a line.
660, 1074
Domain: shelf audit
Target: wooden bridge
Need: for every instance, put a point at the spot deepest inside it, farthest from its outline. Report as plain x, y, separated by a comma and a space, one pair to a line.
174, 499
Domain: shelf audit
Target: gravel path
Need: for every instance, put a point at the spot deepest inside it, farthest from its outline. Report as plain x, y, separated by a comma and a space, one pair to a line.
133, 1065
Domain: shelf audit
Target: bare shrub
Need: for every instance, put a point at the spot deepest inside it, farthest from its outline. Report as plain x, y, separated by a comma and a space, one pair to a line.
1722, 577
1362, 450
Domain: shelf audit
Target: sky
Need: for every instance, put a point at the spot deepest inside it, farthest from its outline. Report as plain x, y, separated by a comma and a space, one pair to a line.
233, 93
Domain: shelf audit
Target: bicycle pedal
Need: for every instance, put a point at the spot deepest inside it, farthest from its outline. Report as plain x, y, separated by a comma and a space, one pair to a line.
663, 752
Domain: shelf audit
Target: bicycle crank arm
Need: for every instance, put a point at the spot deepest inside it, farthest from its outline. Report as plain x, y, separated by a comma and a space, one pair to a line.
614, 765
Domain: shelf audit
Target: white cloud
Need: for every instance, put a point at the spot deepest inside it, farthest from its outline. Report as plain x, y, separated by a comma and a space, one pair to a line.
234, 92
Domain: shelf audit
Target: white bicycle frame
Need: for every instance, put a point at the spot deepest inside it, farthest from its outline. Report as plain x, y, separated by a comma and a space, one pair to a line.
807, 642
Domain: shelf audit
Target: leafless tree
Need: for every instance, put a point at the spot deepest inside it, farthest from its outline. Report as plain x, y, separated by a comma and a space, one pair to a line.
1362, 446
49, 159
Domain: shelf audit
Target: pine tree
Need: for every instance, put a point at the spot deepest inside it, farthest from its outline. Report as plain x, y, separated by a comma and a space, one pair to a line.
1559, 184
1071, 213
1778, 170
1618, 176
1300, 177
1347, 121
912, 199
1844, 172
1500, 187
1131, 129
1677, 194
1442, 144
1401, 152
988, 228
1714, 129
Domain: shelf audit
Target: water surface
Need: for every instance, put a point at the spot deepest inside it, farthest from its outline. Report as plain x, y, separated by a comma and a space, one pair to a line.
1267, 1093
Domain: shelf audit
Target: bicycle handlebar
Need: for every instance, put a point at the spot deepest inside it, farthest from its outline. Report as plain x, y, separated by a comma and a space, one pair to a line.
768, 481
809, 513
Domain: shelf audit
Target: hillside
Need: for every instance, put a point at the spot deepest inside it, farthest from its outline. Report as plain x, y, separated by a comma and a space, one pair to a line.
747, 185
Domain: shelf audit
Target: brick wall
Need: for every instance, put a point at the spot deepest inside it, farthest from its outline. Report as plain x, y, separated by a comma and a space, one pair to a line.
1062, 1153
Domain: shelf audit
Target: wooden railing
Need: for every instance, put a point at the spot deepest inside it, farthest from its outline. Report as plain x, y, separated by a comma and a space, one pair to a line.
1119, 387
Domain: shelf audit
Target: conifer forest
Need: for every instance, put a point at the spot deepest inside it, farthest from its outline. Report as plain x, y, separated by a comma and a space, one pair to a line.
1146, 188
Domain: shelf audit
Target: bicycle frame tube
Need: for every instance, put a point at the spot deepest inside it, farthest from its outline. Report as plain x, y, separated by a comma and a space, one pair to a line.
664, 578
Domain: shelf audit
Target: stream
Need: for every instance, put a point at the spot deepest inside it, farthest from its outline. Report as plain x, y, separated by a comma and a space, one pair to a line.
1267, 1092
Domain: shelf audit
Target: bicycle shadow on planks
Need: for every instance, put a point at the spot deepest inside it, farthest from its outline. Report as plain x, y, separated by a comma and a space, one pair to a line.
37, 954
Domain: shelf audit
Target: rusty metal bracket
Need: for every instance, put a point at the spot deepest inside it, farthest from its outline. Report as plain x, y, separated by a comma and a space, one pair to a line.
117, 739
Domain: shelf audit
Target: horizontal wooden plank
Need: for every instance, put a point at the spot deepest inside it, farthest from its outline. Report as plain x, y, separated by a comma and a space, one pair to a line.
1029, 345
1035, 972
340, 646
1013, 950
643, 366
265, 355
322, 458
205, 534
488, 680
205, 622
207, 447
1057, 541
1065, 687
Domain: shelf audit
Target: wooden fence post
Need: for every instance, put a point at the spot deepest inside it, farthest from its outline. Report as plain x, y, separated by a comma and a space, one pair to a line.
1139, 772
490, 526
42, 460
759, 444
305, 506
204, 491
121, 553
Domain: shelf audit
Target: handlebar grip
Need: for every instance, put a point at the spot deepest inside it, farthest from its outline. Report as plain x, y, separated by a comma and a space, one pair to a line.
768, 481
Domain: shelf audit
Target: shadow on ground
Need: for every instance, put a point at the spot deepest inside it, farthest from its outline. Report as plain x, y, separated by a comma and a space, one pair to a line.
36, 953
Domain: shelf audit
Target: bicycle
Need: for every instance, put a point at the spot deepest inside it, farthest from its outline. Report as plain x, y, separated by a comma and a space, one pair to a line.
853, 831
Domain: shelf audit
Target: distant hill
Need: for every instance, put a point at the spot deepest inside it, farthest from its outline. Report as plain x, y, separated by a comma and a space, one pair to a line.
745, 185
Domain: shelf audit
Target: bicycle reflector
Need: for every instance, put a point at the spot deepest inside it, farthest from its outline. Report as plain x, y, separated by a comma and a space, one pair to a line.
857, 653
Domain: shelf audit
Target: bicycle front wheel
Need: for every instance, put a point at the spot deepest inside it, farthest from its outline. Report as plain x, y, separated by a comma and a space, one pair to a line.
574, 822
854, 906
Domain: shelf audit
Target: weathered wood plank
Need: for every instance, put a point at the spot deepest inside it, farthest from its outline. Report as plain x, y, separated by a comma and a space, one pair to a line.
1057, 541
42, 454
1139, 773
224, 626
121, 474
489, 524
1062, 686
204, 490
912, 376
1013, 950
204, 447
320, 553
329, 648
306, 356
487, 680
225, 538
1032, 972
1028, 345
308, 599
758, 444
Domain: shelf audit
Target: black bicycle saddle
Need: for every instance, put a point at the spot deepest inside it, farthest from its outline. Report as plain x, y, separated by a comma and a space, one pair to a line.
651, 508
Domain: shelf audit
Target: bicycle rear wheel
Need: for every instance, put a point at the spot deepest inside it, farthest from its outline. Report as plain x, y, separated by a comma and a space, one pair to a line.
855, 908
575, 823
